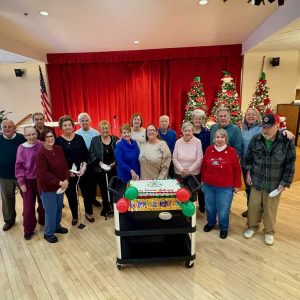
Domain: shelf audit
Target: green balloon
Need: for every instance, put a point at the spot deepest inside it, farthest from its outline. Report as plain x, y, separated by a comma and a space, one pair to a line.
131, 193
188, 208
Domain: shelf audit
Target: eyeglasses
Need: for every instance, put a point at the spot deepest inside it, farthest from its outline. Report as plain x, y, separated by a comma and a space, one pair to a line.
151, 130
49, 136
31, 134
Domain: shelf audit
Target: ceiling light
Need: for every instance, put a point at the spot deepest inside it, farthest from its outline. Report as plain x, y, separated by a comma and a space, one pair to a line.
203, 2
136, 42
44, 13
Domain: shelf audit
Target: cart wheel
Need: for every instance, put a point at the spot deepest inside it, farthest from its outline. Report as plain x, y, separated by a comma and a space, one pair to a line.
119, 266
189, 264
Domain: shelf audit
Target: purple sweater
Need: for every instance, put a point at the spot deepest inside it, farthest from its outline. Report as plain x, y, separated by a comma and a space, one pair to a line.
26, 161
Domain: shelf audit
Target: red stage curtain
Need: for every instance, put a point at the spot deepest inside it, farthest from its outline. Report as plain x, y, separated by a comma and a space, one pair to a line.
150, 82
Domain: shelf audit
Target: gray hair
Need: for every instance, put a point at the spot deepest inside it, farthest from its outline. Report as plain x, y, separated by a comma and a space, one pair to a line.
29, 127
82, 115
198, 113
223, 108
186, 125
221, 132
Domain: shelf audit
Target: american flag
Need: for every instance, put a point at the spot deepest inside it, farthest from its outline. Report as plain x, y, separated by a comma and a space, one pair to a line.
44, 98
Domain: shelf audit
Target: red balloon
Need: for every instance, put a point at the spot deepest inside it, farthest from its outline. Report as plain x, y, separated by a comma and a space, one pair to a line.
183, 195
122, 205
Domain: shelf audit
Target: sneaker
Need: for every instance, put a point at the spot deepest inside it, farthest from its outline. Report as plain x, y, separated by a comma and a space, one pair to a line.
61, 230
269, 239
51, 238
249, 233
28, 236
207, 228
223, 234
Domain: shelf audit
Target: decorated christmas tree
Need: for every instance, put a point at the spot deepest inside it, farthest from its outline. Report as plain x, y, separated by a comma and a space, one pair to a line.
196, 99
229, 98
260, 98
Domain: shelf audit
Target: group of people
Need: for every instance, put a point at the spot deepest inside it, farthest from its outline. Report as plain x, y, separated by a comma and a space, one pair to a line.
45, 166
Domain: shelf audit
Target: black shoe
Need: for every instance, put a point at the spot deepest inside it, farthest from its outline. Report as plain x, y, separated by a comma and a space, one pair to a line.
223, 234
51, 238
28, 236
61, 230
8, 226
245, 214
202, 209
97, 203
208, 228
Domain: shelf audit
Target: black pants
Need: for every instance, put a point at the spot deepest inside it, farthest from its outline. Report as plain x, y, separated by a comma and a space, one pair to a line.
72, 195
91, 183
101, 181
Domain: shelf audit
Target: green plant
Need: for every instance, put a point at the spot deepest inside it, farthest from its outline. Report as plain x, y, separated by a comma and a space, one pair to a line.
3, 115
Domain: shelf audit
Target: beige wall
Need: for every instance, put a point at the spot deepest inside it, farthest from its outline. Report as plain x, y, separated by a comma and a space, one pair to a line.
20, 95
282, 80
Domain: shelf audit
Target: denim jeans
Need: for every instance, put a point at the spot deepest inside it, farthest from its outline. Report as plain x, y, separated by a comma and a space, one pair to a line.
218, 202
53, 204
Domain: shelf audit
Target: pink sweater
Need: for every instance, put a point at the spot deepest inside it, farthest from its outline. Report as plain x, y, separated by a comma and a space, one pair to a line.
188, 155
26, 161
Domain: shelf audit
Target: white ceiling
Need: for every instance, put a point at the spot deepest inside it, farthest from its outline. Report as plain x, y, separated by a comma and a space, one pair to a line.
112, 25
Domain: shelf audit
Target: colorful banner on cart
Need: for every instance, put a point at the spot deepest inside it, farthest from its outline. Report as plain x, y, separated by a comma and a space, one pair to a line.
154, 204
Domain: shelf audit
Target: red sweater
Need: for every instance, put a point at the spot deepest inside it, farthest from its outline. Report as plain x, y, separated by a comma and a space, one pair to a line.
51, 168
221, 169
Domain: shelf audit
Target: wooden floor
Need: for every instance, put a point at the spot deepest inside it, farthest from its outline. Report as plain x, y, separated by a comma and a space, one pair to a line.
82, 264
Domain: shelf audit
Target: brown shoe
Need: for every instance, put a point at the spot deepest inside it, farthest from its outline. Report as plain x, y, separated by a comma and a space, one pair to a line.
245, 214
7, 226
90, 218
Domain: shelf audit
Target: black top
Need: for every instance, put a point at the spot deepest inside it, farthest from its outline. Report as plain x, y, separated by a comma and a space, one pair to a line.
108, 153
75, 150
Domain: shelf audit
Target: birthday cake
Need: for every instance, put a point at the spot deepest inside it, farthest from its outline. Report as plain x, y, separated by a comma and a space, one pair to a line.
156, 188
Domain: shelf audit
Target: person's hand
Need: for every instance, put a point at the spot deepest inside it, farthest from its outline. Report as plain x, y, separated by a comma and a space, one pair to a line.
248, 178
64, 184
81, 171
23, 188
288, 134
236, 189
185, 172
280, 188
134, 176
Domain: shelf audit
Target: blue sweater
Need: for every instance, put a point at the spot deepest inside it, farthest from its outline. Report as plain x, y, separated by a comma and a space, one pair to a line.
169, 137
204, 137
127, 159
247, 134
234, 136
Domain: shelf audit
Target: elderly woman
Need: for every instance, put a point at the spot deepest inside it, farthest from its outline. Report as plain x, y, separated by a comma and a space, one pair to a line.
77, 155
138, 133
202, 133
127, 153
187, 155
25, 170
221, 176
102, 151
155, 156
52, 174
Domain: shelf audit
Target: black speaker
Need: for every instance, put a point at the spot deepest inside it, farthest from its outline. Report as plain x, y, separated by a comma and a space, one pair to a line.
19, 72
275, 61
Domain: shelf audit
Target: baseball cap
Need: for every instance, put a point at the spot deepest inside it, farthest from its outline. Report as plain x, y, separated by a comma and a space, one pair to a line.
269, 120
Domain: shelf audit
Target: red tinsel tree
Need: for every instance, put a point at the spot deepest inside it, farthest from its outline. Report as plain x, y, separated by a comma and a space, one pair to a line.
196, 99
260, 98
229, 98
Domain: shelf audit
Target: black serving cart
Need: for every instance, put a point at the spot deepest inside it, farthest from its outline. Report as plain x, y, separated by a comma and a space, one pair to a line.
143, 237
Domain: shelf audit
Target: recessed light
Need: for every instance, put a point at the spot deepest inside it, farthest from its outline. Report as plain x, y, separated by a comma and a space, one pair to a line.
203, 2
44, 13
136, 42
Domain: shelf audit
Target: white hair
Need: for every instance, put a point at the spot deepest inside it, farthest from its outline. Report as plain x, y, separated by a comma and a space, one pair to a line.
198, 113
82, 115
223, 108
187, 125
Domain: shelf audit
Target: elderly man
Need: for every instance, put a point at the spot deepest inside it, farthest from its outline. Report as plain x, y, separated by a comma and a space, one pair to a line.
87, 132
9, 143
270, 165
169, 136
38, 119
233, 131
